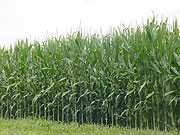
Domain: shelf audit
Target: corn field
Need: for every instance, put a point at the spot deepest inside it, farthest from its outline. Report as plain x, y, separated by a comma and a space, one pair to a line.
129, 77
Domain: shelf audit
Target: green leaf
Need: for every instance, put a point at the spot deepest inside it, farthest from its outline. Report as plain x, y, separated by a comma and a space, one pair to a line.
36, 97
110, 95
150, 95
66, 107
168, 93
156, 68
65, 93
142, 86
175, 71
177, 58
128, 94
46, 90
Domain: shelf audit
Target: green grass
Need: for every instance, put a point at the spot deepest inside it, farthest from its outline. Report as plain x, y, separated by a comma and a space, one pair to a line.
42, 127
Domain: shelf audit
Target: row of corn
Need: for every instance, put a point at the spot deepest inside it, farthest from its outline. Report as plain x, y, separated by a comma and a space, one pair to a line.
129, 77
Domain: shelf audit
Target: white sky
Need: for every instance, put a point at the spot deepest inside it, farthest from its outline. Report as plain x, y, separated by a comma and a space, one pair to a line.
34, 19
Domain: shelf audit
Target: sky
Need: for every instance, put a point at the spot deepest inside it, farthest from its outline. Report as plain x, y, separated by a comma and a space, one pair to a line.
40, 19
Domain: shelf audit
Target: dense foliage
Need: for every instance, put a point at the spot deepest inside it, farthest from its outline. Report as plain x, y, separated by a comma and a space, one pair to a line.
129, 77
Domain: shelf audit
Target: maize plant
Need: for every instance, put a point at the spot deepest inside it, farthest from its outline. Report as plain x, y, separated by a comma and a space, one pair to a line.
129, 77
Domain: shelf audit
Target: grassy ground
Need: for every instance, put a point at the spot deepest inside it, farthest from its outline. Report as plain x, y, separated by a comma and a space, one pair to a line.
40, 127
